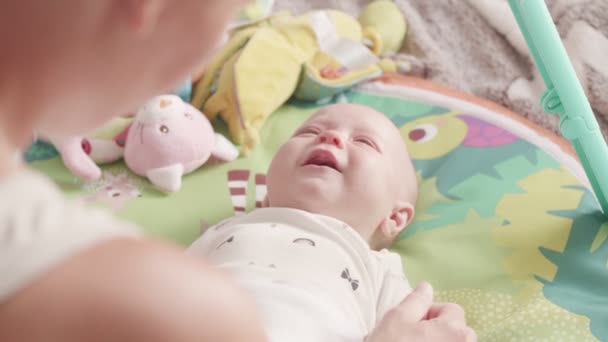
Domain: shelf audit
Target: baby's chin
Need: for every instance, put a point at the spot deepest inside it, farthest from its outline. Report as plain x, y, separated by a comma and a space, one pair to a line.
307, 194
317, 189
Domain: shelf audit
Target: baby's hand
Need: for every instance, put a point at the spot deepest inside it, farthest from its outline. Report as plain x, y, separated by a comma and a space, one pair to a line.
416, 318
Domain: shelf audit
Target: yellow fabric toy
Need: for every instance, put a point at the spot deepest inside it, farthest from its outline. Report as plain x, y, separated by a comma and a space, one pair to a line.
384, 23
268, 61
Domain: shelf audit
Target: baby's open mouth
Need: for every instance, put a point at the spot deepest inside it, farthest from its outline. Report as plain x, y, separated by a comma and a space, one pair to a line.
323, 158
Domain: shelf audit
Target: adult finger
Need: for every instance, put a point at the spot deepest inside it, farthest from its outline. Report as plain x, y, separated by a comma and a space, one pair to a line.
447, 312
416, 305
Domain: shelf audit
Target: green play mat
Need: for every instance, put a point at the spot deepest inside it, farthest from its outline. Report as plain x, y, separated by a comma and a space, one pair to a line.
506, 225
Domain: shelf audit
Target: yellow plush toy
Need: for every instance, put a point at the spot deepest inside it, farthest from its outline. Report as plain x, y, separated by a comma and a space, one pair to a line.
310, 56
385, 24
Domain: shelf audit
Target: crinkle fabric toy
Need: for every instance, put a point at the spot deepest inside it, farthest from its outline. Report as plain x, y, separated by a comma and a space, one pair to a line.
166, 139
311, 57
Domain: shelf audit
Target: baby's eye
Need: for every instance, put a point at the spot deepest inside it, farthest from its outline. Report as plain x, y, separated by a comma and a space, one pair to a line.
366, 141
307, 131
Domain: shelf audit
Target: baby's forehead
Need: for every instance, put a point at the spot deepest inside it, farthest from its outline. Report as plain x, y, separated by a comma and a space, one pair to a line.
354, 116
350, 109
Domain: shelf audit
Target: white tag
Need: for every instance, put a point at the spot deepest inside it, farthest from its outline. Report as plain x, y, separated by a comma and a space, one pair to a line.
347, 52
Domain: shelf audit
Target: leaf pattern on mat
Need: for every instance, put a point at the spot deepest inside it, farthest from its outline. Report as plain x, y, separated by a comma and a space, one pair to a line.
461, 255
435, 210
580, 284
532, 224
451, 171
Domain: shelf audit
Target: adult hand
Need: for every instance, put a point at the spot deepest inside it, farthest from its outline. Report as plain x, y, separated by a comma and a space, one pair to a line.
416, 318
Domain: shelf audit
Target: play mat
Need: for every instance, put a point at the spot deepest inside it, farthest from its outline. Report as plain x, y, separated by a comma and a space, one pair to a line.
506, 225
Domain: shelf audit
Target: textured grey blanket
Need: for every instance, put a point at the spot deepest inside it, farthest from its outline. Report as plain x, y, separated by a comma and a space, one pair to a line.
476, 47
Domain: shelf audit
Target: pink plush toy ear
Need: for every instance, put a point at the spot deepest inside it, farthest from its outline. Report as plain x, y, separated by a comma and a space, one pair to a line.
76, 159
81, 155
224, 149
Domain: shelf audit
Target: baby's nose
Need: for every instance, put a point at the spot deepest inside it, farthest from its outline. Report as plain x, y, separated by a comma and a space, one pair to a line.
331, 137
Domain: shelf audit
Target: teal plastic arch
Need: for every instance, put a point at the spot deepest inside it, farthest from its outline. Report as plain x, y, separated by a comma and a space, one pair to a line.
564, 95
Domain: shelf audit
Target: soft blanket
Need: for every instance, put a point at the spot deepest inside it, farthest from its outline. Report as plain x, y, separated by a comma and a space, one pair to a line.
476, 47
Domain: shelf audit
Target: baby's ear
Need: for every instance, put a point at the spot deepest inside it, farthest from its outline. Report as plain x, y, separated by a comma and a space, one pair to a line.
143, 14
399, 218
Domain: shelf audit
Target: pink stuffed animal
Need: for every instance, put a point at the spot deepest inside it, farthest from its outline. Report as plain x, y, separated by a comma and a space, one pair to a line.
170, 138
167, 139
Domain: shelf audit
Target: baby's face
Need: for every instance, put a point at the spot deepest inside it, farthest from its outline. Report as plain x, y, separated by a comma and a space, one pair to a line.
345, 162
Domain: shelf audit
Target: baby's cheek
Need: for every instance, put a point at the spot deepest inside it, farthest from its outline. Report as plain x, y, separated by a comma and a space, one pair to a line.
370, 171
286, 156
372, 184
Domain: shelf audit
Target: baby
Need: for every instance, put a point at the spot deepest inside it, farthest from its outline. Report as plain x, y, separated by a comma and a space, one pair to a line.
340, 191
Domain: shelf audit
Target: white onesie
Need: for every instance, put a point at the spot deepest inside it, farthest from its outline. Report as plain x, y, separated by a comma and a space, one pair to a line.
313, 277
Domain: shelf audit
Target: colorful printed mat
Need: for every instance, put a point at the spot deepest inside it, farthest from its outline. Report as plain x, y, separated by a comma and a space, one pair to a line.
506, 225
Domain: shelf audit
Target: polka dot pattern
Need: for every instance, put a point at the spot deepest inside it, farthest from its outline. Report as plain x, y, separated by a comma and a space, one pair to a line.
503, 317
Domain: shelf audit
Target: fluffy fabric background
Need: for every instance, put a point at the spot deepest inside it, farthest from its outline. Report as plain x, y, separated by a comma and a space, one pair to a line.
476, 47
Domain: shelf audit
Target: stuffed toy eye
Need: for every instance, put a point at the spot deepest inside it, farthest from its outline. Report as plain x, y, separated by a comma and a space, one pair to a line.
134, 193
164, 129
114, 193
